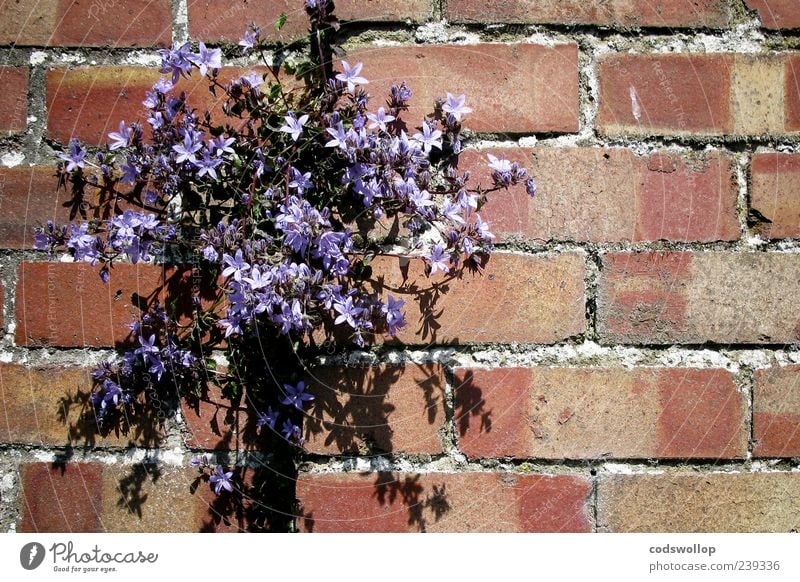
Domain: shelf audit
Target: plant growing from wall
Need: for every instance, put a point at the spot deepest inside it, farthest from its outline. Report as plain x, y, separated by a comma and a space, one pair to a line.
267, 200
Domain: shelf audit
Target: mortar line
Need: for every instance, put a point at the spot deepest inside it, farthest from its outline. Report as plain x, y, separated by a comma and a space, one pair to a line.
180, 21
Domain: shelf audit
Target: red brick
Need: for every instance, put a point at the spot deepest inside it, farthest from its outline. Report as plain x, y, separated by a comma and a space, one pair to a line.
48, 405
791, 94
89, 103
684, 297
442, 502
218, 20
28, 197
775, 194
120, 23
61, 498
91, 497
614, 13
501, 82
584, 413
214, 422
377, 409
116, 94
776, 14
613, 195
675, 94
536, 299
699, 502
68, 305
13, 100
776, 412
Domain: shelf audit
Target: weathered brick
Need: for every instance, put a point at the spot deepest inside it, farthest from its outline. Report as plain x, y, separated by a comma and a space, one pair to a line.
579, 413
121, 23
29, 196
214, 422
91, 497
61, 498
675, 94
68, 305
776, 412
219, 20
89, 102
612, 195
147, 498
48, 405
775, 195
685, 297
709, 502
757, 86
615, 13
377, 409
776, 14
536, 299
696, 95
442, 502
500, 82
13, 100
116, 93
791, 93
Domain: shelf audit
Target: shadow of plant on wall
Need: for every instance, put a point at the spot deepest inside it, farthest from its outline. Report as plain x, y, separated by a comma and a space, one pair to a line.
392, 494
260, 206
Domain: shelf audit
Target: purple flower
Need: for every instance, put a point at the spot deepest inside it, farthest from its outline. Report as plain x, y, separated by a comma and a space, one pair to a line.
500, 165
351, 76
76, 156
394, 317
399, 96
249, 40
294, 125
210, 254
380, 119
176, 61
200, 461
252, 80
83, 244
187, 149
530, 187
268, 418
429, 137
221, 480
296, 395
348, 312
207, 165
482, 229
221, 145
206, 59
455, 106
301, 182
130, 172
236, 265
291, 432
232, 324
339, 137
147, 348
439, 259
122, 138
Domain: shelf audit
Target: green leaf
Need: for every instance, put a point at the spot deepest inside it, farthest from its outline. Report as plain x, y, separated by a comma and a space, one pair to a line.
281, 21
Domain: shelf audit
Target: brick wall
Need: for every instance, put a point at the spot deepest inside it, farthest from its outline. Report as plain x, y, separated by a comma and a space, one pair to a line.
627, 362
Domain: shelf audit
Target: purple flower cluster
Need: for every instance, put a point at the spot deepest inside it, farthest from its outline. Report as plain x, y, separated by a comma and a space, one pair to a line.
269, 197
